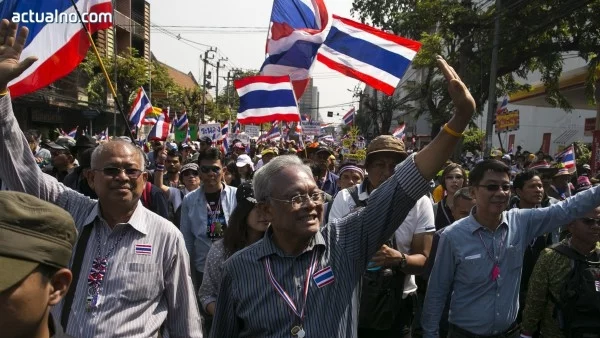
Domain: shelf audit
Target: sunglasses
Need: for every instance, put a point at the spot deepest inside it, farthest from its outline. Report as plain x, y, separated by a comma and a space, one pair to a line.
190, 173
205, 169
590, 221
496, 187
114, 172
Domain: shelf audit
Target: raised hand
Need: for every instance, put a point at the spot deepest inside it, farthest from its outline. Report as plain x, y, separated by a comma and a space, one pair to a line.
11, 46
461, 97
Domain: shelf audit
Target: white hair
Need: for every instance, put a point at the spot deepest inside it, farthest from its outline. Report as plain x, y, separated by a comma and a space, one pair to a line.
107, 147
263, 177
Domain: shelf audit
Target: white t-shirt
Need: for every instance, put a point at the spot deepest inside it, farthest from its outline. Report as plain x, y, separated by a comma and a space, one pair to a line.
420, 219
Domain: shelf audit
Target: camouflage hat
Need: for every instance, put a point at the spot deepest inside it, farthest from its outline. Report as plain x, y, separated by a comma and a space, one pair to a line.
32, 232
386, 143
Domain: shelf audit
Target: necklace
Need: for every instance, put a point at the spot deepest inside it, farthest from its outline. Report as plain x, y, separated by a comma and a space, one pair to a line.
98, 271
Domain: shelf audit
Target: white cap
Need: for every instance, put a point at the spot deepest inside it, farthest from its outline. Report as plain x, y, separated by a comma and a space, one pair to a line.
244, 160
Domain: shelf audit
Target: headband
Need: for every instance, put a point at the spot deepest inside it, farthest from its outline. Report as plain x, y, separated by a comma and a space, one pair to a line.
351, 167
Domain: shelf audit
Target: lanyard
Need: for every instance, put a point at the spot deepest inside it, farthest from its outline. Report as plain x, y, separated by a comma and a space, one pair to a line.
491, 252
281, 291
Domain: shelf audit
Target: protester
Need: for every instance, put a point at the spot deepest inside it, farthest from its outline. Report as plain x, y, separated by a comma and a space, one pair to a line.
42, 155
245, 168
479, 258
115, 289
250, 304
350, 174
36, 242
453, 178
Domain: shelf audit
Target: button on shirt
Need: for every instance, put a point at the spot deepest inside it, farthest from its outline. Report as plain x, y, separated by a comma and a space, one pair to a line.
249, 306
139, 292
463, 268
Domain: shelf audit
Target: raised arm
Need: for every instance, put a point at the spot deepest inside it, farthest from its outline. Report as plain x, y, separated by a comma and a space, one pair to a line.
160, 171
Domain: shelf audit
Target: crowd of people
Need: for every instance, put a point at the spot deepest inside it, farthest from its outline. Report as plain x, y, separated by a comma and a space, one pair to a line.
106, 239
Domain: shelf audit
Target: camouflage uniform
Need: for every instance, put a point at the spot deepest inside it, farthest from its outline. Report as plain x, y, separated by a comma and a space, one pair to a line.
549, 275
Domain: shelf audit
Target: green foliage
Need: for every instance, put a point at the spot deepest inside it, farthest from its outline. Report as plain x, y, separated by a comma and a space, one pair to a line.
534, 36
472, 139
583, 154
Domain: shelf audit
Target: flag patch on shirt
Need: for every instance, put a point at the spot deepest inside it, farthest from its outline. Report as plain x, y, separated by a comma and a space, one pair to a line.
143, 249
323, 277
597, 283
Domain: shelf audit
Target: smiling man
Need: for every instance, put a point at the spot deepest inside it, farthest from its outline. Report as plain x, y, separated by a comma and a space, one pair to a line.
130, 267
480, 258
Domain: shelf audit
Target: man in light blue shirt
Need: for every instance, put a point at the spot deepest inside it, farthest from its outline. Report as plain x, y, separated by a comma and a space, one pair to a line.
479, 258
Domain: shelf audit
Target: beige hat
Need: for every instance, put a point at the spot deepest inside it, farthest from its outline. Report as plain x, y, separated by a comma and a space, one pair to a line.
386, 143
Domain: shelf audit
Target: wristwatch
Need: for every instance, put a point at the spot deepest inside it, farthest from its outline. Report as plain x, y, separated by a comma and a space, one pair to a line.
403, 261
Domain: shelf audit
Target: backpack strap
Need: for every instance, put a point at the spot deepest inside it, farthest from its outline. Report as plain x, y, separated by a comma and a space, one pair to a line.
566, 250
147, 195
353, 191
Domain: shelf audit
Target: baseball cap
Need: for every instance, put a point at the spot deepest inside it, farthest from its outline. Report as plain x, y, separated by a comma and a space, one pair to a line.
32, 232
239, 145
587, 166
271, 150
189, 166
386, 143
244, 160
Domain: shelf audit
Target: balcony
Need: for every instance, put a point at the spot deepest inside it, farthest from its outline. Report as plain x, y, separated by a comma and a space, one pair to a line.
128, 24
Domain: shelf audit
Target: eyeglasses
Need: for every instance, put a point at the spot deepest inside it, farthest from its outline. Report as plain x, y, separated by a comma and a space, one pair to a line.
454, 177
114, 172
190, 173
496, 187
205, 169
299, 200
590, 221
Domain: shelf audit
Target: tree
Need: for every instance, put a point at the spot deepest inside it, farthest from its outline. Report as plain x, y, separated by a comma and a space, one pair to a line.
473, 139
534, 37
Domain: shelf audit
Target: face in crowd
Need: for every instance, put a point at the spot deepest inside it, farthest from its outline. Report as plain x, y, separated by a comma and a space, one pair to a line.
380, 166
490, 187
349, 178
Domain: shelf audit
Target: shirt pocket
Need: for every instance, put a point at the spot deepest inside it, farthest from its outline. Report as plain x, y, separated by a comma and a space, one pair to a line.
141, 282
474, 271
514, 257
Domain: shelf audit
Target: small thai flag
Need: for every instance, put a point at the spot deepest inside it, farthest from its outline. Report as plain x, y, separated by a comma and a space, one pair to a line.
349, 117
143, 249
324, 277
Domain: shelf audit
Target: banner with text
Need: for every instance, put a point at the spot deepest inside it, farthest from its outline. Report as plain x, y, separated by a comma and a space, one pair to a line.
252, 130
311, 128
212, 130
507, 121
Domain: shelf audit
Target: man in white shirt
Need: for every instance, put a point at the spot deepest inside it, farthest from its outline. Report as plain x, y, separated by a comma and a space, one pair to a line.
411, 244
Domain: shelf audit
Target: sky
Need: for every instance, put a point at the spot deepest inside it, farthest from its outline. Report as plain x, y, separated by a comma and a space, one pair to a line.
238, 29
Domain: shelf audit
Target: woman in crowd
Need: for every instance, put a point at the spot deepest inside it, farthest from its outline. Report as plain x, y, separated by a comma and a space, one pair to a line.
245, 168
453, 178
231, 175
245, 227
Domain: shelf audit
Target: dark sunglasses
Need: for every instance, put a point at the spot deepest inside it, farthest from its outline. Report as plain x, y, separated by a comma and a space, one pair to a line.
114, 172
496, 187
590, 221
205, 169
190, 173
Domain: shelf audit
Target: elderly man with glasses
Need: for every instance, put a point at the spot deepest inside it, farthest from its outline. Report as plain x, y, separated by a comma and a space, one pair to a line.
130, 268
479, 259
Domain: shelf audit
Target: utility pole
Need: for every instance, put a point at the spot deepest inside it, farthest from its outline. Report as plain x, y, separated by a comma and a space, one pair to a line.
207, 56
219, 66
492, 101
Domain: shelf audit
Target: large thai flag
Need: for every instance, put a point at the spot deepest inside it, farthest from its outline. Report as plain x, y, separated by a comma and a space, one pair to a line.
60, 47
372, 56
349, 117
567, 157
160, 131
140, 107
294, 39
266, 98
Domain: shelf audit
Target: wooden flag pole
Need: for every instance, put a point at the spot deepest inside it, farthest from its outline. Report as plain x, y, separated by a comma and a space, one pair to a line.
106, 76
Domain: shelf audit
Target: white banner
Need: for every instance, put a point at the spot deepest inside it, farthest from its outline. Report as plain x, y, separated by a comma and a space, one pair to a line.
311, 128
242, 137
252, 131
212, 130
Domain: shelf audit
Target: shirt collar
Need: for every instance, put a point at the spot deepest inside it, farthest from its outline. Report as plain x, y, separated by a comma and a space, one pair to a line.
137, 221
473, 225
268, 247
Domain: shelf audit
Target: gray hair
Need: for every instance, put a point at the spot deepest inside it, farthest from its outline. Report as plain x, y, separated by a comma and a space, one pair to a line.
263, 177
107, 147
463, 193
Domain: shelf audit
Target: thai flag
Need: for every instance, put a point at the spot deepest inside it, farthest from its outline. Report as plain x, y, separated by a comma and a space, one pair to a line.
237, 127
349, 117
324, 277
188, 138
160, 131
372, 56
166, 114
294, 39
266, 98
72, 133
140, 107
103, 135
274, 133
399, 131
143, 249
567, 157
154, 115
224, 134
182, 122
503, 106
60, 47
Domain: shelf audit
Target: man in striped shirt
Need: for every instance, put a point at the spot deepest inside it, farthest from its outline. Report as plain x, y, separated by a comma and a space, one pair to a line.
134, 273
301, 279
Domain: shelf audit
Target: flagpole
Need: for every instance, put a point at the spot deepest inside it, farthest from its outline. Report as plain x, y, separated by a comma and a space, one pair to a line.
110, 85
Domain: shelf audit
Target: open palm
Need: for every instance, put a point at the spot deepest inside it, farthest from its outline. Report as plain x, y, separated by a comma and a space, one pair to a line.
461, 97
11, 46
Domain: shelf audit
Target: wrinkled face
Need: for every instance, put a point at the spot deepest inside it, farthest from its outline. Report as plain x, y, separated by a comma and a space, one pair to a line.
381, 166
256, 222
191, 179
533, 191
24, 305
118, 177
211, 173
462, 208
454, 180
587, 229
301, 221
349, 178
172, 164
492, 193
